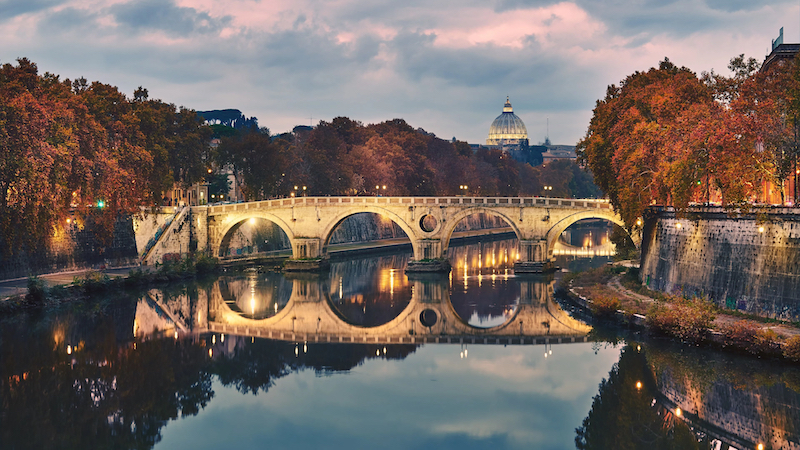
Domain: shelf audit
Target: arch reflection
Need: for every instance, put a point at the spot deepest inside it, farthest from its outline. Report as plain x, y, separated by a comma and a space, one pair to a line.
256, 295
482, 289
369, 292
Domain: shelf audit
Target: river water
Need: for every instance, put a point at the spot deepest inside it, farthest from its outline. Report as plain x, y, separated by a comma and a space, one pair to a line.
368, 357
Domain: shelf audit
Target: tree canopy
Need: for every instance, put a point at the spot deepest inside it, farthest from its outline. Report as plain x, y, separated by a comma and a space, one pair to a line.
72, 148
669, 137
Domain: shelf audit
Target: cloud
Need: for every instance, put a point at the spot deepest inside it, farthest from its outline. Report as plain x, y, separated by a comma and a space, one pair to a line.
445, 66
12, 8
167, 17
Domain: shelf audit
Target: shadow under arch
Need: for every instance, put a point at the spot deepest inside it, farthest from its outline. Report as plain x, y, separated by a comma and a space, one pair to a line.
229, 230
452, 223
331, 226
555, 231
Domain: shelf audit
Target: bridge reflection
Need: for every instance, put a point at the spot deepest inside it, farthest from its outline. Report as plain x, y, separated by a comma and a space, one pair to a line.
415, 309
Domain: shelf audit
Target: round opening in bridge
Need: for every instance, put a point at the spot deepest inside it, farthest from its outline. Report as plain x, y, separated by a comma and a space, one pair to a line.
254, 238
428, 318
428, 223
255, 295
369, 292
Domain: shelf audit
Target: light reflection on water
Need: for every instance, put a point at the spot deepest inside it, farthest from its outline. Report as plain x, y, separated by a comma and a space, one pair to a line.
198, 390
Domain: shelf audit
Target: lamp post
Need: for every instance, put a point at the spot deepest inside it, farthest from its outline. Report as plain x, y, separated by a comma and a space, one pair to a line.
463, 188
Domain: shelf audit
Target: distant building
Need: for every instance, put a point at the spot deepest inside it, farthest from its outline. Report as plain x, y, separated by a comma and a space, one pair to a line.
770, 193
780, 52
507, 131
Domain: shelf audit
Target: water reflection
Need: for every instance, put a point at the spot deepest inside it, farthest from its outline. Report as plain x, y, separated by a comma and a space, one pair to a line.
483, 291
256, 295
369, 292
113, 373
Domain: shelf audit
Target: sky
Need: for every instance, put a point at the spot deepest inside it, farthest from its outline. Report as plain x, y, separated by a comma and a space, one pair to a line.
442, 65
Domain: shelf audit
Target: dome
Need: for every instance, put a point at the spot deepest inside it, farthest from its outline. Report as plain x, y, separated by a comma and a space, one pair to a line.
507, 128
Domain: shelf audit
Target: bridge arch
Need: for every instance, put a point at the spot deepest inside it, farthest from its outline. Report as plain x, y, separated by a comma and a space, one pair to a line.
331, 226
449, 227
555, 231
234, 221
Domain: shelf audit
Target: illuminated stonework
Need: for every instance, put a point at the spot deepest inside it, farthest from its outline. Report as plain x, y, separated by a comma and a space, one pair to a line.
507, 129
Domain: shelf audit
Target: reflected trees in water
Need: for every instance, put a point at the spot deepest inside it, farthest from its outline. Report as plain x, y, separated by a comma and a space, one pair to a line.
625, 416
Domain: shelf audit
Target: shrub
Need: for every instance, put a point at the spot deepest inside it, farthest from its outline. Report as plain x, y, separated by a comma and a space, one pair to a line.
605, 305
206, 264
791, 348
687, 319
37, 291
749, 337
95, 282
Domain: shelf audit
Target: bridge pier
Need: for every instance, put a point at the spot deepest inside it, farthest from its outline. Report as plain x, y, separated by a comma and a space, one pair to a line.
533, 257
306, 256
431, 257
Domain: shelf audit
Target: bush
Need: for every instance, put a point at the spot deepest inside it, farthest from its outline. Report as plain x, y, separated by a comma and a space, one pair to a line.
749, 337
687, 319
791, 349
37, 290
605, 305
95, 282
206, 264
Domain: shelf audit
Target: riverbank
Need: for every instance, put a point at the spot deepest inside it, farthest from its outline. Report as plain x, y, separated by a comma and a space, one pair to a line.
614, 293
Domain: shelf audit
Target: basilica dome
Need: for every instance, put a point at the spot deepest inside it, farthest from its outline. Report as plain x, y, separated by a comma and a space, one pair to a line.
507, 128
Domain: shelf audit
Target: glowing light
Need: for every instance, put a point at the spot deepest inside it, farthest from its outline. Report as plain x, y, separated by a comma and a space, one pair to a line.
213, 338
638, 348
678, 412
176, 335
638, 385
252, 220
384, 350
639, 221
69, 349
210, 352
296, 350
69, 220
761, 229
760, 447
222, 338
305, 347
678, 225
377, 353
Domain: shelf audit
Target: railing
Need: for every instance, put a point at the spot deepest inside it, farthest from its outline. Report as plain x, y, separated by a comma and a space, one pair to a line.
543, 202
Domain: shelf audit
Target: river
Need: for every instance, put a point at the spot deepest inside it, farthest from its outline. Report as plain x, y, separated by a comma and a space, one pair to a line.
366, 357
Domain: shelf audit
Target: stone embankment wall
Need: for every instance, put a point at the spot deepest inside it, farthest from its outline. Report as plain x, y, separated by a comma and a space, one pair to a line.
749, 262
72, 248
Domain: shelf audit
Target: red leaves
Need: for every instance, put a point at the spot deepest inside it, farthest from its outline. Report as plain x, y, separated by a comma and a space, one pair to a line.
667, 137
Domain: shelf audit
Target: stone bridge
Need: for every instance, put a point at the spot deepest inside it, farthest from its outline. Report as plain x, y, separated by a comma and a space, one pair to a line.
429, 222
429, 317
